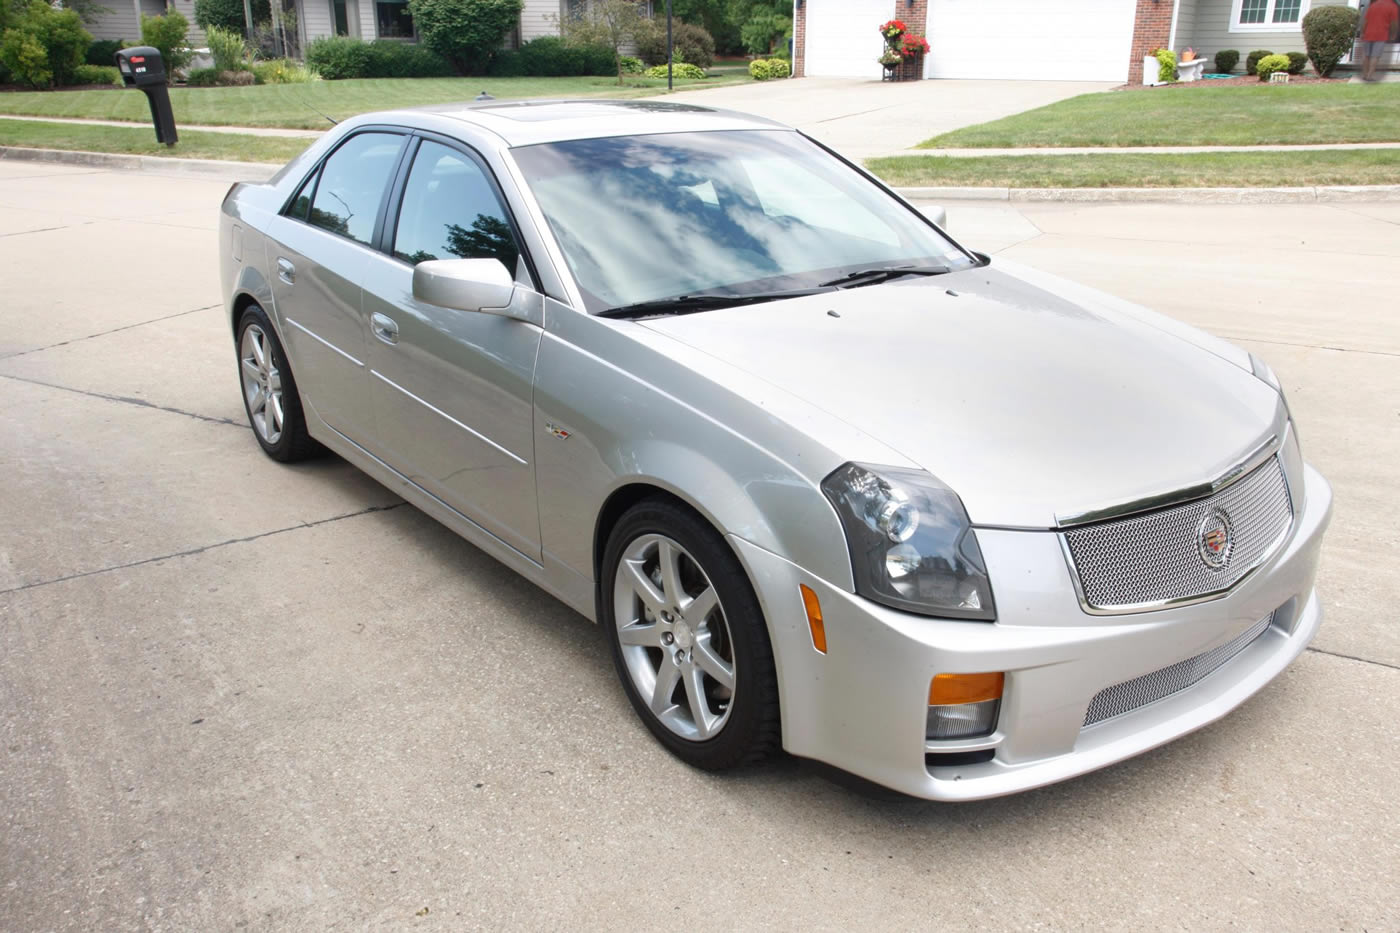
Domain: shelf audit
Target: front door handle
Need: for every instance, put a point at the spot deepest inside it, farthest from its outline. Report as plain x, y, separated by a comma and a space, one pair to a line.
286, 271
384, 328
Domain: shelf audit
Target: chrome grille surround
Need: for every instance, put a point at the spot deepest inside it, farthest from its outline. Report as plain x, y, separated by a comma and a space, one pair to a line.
1154, 561
1158, 685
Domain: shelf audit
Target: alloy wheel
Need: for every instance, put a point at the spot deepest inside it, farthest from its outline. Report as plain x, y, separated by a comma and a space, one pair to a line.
262, 383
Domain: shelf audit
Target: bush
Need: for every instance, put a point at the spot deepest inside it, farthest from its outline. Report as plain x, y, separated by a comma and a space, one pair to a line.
1166, 65
227, 48
1226, 60
1252, 62
1297, 61
390, 59
169, 34
202, 77
97, 74
631, 66
552, 57
765, 68
465, 32
228, 14
1269, 64
59, 37
689, 43
679, 69
103, 51
25, 59
1327, 34
282, 71
337, 57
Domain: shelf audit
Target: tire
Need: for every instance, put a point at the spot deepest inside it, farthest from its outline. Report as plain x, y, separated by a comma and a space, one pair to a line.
269, 390
675, 634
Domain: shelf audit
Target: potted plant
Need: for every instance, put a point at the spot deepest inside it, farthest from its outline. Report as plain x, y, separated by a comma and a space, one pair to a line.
913, 48
891, 60
892, 32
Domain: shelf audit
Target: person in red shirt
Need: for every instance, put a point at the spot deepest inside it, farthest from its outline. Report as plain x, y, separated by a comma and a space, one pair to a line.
1380, 26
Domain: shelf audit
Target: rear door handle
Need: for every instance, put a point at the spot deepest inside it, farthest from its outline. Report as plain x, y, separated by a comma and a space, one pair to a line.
384, 328
286, 271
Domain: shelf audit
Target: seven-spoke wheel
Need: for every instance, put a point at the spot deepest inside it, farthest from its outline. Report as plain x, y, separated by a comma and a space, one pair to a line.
269, 391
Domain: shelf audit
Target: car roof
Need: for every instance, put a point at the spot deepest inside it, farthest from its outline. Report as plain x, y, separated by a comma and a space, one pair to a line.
527, 122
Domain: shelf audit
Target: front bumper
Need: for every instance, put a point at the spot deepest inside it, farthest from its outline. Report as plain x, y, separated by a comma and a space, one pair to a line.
862, 706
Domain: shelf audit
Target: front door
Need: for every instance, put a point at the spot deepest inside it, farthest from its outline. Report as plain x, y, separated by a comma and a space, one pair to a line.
453, 390
316, 255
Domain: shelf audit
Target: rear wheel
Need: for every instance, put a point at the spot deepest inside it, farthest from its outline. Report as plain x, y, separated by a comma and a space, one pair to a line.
688, 638
269, 391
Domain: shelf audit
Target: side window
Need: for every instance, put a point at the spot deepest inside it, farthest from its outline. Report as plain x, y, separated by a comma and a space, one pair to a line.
451, 211
301, 204
352, 184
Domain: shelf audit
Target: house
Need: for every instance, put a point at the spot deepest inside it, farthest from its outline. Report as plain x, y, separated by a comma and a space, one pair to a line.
365, 19
1068, 40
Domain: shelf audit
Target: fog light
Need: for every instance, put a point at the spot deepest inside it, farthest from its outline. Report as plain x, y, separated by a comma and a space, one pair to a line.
963, 706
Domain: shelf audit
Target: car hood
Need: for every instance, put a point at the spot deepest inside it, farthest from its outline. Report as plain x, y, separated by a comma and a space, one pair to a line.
1033, 406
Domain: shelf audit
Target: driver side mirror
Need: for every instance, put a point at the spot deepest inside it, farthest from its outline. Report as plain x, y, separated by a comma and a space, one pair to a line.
465, 285
936, 213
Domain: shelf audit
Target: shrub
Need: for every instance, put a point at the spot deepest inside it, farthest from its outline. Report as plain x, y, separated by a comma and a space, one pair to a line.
679, 69
25, 59
765, 68
97, 74
282, 71
202, 77
1327, 34
466, 32
1166, 65
552, 57
1252, 61
227, 48
237, 78
228, 14
169, 34
337, 57
103, 51
1297, 61
390, 59
1269, 64
57, 34
631, 66
1226, 60
689, 43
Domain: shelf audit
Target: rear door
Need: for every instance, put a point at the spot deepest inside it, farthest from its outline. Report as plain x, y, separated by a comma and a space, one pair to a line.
452, 390
316, 255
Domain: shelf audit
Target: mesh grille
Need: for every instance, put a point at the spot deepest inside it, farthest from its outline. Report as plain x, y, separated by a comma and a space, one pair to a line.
1149, 688
1157, 557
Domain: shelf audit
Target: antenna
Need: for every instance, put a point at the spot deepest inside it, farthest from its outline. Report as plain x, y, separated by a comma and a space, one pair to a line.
303, 102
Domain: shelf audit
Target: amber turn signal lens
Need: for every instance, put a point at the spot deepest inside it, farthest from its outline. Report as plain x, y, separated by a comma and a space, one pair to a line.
814, 617
954, 689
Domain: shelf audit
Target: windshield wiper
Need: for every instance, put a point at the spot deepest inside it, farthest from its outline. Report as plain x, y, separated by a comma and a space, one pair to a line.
883, 274
689, 304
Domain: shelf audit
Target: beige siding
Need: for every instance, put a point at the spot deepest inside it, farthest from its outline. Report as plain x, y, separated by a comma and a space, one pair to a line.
1185, 24
121, 22
369, 27
1210, 32
317, 19
539, 18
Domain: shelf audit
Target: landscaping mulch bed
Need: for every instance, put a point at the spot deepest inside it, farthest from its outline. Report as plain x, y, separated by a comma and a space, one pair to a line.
1237, 81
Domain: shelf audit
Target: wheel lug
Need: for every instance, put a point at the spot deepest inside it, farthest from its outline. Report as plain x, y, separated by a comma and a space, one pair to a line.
667, 638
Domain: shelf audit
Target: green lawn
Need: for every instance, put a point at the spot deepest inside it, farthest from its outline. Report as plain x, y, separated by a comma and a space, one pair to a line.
290, 105
142, 141
1223, 116
1166, 170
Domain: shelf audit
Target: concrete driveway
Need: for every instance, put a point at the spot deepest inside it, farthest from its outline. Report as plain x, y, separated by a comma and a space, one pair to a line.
236, 694
861, 118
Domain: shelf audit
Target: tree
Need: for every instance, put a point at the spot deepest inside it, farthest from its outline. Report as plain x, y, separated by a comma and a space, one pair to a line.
761, 23
466, 32
613, 23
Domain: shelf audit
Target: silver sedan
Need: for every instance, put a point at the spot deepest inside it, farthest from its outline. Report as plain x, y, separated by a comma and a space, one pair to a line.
828, 480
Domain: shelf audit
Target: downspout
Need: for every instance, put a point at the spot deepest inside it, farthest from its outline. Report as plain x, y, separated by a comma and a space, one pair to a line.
1171, 37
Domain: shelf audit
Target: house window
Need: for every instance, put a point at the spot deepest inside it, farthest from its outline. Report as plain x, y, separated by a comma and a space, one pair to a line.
342, 18
1268, 15
393, 19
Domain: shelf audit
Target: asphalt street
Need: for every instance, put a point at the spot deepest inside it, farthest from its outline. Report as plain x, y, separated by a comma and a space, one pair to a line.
235, 694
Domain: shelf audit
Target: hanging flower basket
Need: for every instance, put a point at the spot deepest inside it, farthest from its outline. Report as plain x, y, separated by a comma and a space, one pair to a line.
892, 31
912, 45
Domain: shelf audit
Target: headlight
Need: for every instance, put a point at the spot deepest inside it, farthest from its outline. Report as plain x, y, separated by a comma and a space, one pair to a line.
912, 545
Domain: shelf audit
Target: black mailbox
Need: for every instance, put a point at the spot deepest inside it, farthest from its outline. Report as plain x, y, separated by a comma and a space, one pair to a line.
142, 67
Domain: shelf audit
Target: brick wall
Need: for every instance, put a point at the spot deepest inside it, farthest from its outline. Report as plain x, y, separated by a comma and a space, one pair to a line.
1152, 30
799, 42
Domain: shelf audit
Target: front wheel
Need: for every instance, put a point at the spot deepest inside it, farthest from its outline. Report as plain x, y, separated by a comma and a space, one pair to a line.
688, 638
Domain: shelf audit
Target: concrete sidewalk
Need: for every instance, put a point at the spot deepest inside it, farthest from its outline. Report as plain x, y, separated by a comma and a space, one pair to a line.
236, 130
1132, 150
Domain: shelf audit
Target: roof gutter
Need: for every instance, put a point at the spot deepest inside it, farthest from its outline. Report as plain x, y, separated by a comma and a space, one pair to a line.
1171, 37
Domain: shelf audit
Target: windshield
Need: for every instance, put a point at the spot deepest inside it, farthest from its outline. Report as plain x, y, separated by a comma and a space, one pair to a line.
647, 218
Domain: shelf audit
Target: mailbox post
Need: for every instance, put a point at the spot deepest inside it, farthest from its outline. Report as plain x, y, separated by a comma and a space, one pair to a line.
143, 68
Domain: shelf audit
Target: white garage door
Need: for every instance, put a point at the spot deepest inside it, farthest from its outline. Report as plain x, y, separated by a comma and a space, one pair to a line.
1073, 40
843, 39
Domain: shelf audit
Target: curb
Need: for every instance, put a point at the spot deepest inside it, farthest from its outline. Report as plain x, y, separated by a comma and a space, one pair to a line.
1309, 195
205, 168
261, 171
